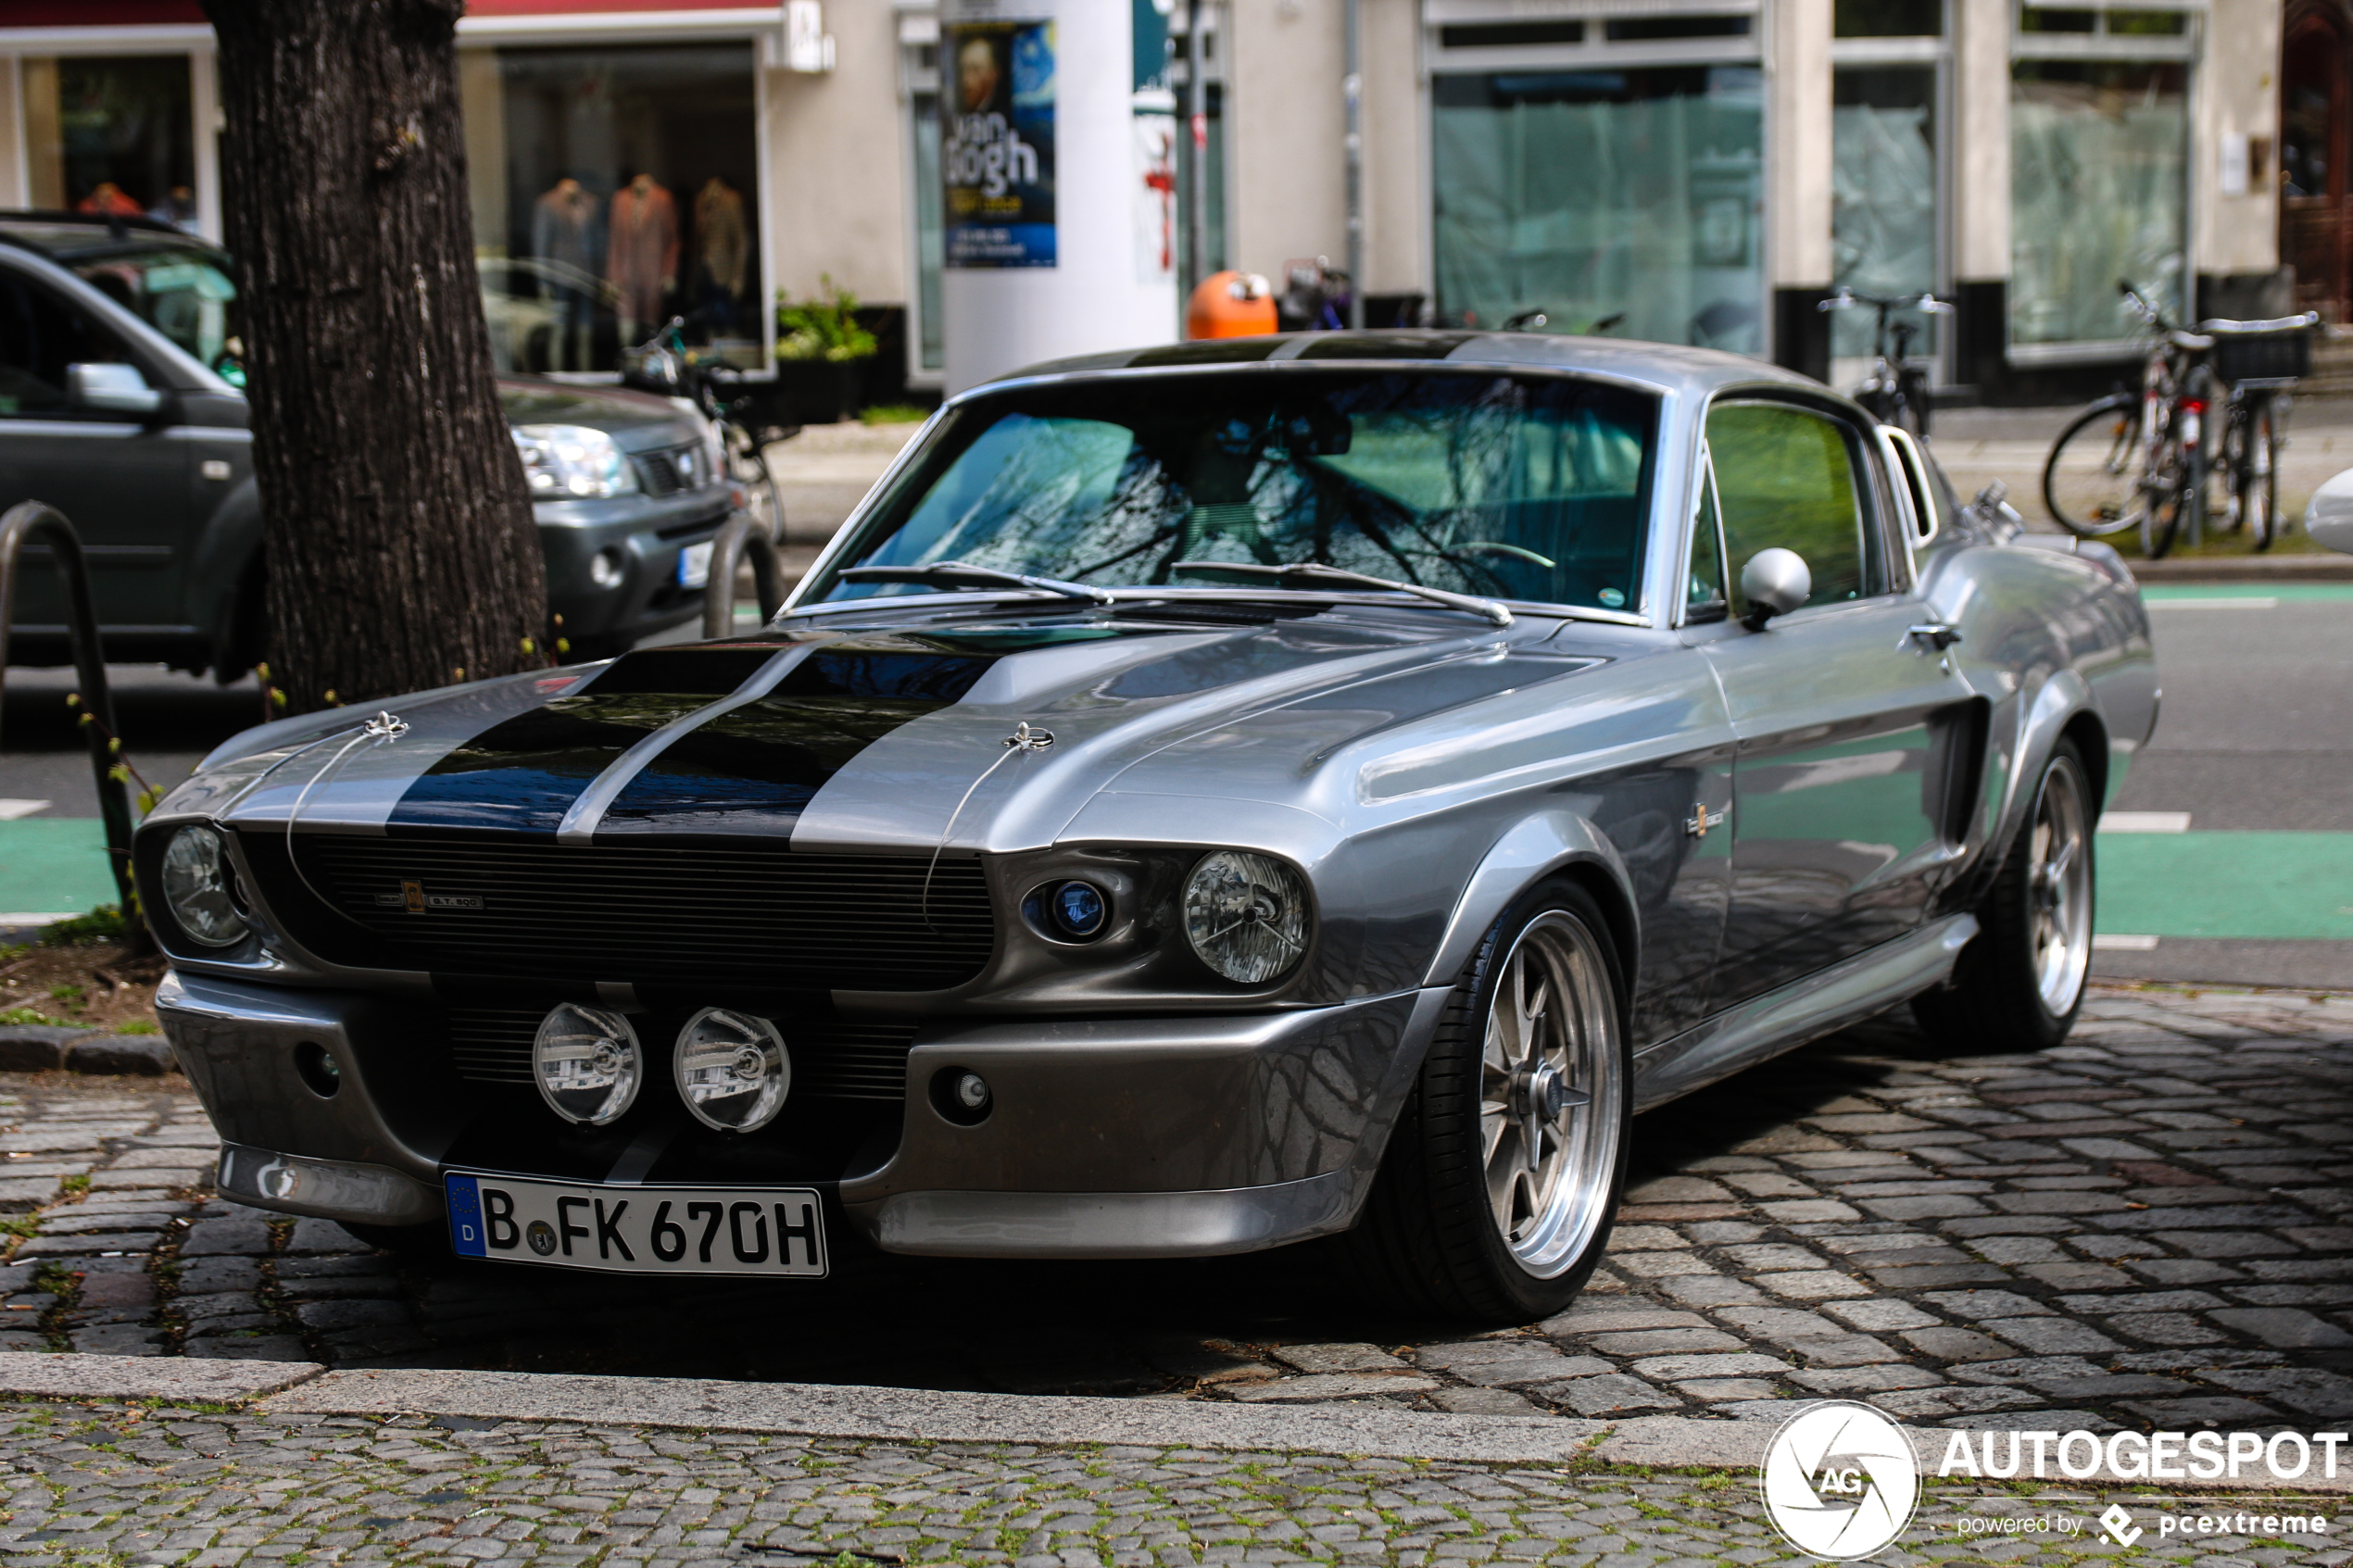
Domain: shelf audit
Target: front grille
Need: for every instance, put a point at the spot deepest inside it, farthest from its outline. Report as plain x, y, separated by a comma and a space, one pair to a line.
751, 914
831, 1059
675, 469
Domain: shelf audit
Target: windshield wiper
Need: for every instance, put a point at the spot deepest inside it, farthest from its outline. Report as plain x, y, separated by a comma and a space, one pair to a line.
1310, 573
959, 571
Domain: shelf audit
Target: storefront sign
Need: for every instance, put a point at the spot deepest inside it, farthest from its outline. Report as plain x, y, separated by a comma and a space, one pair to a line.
997, 141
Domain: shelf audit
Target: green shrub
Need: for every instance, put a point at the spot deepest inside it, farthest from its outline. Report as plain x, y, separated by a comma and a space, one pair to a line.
824, 327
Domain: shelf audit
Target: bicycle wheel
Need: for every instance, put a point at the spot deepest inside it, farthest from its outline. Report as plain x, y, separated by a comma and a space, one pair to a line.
747, 466
2092, 483
2176, 494
2259, 477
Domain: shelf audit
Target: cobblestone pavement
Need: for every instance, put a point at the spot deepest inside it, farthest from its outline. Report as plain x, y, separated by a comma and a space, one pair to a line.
2150, 1225
176, 1486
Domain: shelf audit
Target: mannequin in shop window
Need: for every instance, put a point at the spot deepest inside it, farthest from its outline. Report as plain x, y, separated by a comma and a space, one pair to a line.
722, 251
179, 209
641, 255
563, 224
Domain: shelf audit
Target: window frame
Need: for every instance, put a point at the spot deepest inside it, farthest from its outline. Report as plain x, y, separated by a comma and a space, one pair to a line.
1887, 558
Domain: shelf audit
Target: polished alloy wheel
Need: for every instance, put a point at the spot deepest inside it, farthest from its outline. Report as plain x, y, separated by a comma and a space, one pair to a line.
1550, 1094
2059, 887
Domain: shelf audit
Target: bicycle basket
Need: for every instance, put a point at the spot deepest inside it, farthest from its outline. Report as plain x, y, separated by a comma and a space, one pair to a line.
2269, 356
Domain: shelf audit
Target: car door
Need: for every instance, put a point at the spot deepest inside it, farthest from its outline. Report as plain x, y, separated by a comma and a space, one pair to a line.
120, 480
1845, 716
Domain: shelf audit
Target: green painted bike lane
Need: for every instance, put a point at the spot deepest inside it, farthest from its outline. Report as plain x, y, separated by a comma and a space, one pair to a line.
2229, 884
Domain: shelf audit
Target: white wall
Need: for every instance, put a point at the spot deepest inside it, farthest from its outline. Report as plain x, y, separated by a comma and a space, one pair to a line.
2237, 95
1797, 143
837, 164
1980, 219
1285, 194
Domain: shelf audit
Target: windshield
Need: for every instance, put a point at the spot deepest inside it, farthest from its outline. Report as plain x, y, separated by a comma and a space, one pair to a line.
182, 291
1529, 487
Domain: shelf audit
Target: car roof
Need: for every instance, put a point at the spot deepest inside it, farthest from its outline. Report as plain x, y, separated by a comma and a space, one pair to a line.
77, 236
1669, 367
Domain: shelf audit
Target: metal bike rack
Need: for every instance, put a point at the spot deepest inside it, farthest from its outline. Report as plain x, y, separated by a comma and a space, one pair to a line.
738, 537
30, 519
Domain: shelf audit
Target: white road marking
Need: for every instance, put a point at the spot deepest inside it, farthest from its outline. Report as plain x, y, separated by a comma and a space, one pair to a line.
11, 809
2214, 603
2146, 821
36, 918
2123, 944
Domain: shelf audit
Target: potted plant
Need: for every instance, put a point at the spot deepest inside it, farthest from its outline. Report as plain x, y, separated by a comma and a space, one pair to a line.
821, 353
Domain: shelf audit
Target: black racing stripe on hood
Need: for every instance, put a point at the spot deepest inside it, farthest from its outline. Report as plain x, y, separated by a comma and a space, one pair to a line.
524, 773
753, 768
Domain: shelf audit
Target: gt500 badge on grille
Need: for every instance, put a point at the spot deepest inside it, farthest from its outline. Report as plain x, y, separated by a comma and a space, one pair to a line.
649, 1230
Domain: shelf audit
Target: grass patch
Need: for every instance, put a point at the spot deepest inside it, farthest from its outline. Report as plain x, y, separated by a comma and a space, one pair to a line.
139, 1027
893, 414
30, 1017
104, 924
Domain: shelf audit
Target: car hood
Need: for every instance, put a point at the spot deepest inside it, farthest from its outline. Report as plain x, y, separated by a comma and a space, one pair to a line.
909, 732
638, 421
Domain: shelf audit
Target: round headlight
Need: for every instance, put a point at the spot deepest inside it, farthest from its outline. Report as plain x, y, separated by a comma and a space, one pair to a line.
1246, 915
585, 1063
196, 881
731, 1069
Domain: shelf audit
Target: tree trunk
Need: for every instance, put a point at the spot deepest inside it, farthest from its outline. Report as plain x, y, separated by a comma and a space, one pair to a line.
396, 525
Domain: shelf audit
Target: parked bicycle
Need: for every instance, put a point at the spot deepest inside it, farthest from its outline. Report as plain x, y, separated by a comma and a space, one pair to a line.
1896, 390
2143, 459
665, 364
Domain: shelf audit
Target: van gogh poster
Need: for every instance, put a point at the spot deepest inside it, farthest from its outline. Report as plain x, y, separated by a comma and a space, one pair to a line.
996, 142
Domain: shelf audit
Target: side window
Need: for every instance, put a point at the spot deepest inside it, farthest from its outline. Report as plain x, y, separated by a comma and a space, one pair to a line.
40, 335
1785, 476
1704, 594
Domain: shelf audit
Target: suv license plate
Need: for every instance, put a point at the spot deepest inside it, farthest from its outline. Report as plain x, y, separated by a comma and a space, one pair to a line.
694, 565
650, 1230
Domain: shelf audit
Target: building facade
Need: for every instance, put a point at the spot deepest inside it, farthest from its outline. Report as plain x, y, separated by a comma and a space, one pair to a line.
1700, 170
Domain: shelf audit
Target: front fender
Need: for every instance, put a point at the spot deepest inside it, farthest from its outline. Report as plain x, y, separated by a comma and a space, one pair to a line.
216, 567
2062, 700
1531, 850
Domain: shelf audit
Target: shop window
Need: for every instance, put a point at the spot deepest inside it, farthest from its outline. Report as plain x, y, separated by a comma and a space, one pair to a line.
2098, 192
1887, 18
930, 247
1883, 194
628, 194
1593, 192
1504, 35
1645, 30
112, 135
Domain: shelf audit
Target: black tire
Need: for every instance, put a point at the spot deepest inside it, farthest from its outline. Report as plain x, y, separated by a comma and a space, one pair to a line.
414, 1244
2102, 434
1428, 1239
2259, 477
1998, 1000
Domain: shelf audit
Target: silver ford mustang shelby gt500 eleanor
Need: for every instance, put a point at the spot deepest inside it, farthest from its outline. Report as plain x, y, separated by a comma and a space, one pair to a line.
1206, 798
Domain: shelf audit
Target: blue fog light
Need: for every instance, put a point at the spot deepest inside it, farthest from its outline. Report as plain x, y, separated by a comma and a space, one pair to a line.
1080, 909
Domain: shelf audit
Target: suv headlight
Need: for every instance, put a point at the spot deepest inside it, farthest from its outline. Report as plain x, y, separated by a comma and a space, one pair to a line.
574, 461
1246, 915
198, 888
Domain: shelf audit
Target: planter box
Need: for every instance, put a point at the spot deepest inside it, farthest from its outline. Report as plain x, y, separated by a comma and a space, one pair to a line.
816, 391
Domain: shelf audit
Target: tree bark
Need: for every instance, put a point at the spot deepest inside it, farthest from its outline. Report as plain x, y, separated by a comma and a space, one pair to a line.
396, 525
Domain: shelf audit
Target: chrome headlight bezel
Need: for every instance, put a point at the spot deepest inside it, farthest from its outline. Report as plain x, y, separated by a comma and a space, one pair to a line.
1250, 917
602, 1045
574, 463
198, 883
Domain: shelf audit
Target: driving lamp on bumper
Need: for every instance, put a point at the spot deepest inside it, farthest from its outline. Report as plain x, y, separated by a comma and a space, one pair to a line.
1246, 915
587, 1062
731, 1069
198, 888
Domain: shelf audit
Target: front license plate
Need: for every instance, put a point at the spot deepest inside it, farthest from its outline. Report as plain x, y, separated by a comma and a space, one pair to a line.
694, 565
650, 1230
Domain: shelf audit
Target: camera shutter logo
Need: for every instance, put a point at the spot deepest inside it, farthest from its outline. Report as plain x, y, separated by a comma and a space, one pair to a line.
1840, 1480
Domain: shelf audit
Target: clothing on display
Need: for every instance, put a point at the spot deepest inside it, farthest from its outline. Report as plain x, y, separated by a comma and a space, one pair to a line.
641, 255
110, 200
722, 249
563, 233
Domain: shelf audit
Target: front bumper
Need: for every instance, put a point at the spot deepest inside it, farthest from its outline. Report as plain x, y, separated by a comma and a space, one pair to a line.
1170, 1136
648, 532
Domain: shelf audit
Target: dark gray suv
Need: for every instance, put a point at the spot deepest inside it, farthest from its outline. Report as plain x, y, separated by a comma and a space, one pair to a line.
120, 406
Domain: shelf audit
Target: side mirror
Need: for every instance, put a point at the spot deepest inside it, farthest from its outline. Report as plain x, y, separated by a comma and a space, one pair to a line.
2329, 520
1774, 582
111, 389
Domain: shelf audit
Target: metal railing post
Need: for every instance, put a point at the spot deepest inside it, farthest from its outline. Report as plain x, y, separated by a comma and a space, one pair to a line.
739, 537
25, 520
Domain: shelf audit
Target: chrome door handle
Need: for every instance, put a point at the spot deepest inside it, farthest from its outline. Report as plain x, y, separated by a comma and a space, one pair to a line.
1937, 636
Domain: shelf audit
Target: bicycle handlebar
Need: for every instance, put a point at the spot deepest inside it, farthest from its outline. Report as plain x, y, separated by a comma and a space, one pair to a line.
1924, 301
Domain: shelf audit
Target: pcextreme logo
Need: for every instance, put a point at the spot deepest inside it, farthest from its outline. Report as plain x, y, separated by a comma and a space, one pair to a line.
1841, 1481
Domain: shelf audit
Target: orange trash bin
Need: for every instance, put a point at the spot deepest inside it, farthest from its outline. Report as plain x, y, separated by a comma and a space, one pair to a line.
1231, 304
